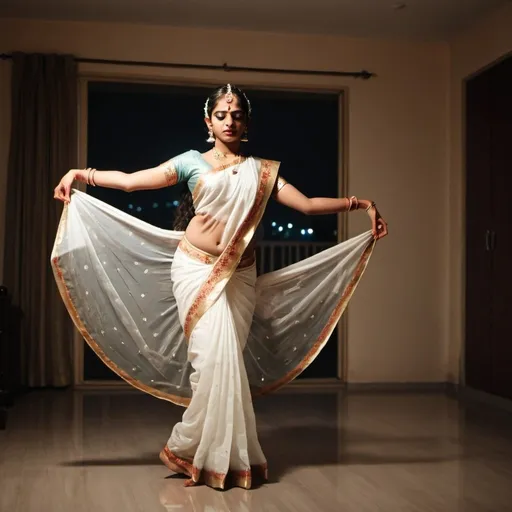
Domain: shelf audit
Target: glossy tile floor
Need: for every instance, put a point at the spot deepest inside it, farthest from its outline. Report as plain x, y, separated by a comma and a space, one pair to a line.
90, 451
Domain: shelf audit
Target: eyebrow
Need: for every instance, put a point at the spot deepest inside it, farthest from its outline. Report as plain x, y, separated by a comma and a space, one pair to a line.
226, 111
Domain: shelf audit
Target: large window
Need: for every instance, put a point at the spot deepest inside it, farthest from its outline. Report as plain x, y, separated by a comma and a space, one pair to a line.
136, 126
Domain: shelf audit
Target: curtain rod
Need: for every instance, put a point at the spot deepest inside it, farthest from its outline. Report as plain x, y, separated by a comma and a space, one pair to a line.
365, 75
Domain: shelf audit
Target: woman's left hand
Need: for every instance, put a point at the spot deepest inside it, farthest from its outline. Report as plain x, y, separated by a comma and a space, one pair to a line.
379, 225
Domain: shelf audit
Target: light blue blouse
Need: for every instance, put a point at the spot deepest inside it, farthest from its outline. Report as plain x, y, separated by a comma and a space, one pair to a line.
189, 167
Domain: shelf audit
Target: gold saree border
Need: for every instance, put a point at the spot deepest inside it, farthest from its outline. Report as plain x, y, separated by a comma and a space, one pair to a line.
236, 478
197, 254
327, 330
227, 262
68, 302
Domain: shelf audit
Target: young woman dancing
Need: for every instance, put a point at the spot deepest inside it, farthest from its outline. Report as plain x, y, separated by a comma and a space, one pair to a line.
182, 315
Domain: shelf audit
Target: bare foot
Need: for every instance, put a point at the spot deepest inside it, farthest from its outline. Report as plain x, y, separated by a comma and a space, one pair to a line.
171, 465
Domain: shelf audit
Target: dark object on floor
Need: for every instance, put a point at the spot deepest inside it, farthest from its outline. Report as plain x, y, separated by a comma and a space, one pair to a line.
10, 355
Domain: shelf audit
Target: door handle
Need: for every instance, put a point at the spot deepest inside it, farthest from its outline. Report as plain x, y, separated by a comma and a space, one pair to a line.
493, 240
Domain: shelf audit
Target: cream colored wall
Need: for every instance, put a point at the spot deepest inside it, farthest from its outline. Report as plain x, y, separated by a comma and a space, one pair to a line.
397, 155
470, 52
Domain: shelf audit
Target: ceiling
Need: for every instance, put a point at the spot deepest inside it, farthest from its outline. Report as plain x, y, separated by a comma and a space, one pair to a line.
417, 20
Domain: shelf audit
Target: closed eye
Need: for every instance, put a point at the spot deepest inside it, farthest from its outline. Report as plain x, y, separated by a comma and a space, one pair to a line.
238, 115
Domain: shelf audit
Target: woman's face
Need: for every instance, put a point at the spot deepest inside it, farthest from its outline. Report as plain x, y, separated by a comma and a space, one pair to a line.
227, 121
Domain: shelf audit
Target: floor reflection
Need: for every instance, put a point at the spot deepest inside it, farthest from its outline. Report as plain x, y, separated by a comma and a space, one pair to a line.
203, 499
95, 451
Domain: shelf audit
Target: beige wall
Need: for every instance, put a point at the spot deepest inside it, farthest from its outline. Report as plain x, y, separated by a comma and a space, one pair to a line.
397, 153
470, 51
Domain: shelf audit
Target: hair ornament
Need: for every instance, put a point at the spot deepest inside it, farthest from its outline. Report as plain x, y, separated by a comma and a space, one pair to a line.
229, 94
249, 108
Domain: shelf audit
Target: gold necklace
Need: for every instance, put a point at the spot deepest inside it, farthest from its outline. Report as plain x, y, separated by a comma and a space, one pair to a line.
219, 155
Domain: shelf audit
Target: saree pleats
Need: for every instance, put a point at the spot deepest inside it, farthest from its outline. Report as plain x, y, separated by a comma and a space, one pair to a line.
217, 435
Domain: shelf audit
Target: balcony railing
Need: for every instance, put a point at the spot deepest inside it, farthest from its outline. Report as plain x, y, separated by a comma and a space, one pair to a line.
275, 255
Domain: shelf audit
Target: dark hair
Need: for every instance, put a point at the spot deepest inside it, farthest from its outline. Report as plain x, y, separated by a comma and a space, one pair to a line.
185, 211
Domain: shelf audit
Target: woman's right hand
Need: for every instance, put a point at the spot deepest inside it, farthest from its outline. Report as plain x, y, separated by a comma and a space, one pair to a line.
379, 225
63, 189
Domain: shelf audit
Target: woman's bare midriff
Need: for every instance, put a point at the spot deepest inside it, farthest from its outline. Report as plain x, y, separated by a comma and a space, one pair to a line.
205, 233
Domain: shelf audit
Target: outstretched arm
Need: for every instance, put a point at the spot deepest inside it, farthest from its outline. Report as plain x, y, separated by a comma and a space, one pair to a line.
147, 179
288, 195
163, 175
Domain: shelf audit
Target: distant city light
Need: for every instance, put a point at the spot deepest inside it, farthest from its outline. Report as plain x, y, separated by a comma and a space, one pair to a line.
310, 231
139, 209
130, 206
176, 203
280, 228
290, 225
155, 205
302, 231
274, 224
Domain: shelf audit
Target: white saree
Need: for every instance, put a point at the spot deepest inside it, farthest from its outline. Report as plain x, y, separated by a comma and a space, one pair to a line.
198, 330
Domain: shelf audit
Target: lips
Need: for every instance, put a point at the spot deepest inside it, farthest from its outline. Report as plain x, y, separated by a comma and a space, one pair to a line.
228, 132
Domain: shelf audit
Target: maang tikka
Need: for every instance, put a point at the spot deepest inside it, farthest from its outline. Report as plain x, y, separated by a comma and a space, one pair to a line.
229, 94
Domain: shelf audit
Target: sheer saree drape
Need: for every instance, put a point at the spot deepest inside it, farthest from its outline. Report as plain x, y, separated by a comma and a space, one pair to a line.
114, 275
216, 438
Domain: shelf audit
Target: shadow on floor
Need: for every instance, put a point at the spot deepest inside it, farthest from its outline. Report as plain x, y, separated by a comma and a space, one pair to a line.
294, 447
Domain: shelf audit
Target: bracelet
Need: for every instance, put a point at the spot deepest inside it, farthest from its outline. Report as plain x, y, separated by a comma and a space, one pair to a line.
93, 183
349, 199
371, 205
356, 201
88, 176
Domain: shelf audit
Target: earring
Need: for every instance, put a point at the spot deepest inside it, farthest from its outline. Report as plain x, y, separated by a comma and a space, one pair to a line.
245, 137
211, 138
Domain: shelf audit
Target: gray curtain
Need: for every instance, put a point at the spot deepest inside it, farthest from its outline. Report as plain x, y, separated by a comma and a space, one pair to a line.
43, 147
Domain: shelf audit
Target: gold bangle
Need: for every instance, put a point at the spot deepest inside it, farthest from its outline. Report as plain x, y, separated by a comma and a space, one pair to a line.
356, 202
93, 183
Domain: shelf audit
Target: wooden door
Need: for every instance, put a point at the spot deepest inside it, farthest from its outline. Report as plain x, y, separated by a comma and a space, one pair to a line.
479, 204
501, 245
